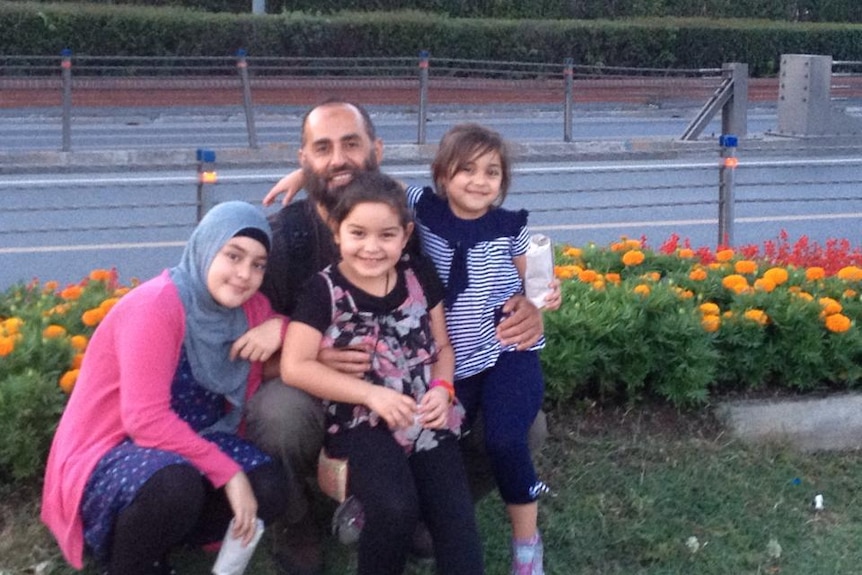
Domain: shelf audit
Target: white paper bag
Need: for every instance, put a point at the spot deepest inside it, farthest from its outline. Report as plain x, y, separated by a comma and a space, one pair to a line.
233, 557
540, 269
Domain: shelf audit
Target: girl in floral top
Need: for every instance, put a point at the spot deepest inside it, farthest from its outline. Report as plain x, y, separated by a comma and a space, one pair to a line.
398, 426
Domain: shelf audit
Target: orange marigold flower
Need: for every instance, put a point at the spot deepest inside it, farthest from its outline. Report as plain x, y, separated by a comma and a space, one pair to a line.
50, 287
587, 276
756, 315
77, 360
72, 293
641, 289
101, 275
697, 274
709, 308
613, 278
815, 273
745, 267
599, 284
652, 276
618, 246
12, 325
764, 284
120, 292
830, 306
724, 255
850, 274
633, 258
79, 342
68, 379
92, 317
849, 293
633, 244
734, 282
804, 295
838, 323
685, 253
53, 331
7, 345
572, 252
728, 314
777, 275
566, 272
109, 303
710, 323
684, 293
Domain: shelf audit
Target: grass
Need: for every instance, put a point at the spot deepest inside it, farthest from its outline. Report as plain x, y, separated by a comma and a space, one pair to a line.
642, 491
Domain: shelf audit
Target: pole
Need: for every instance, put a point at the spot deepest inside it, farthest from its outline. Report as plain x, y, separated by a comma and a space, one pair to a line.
423, 95
727, 168
242, 67
206, 176
66, 69
569, 76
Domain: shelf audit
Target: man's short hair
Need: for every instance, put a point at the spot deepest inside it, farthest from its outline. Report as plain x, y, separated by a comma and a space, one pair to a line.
370, 130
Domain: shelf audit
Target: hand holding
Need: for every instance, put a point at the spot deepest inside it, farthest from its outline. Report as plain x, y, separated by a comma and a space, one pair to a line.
244, 505
522, 325
434, 408
260, 342
396, 409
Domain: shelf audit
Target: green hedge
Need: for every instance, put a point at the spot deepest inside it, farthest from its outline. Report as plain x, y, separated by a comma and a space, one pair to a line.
45, 29
790, 10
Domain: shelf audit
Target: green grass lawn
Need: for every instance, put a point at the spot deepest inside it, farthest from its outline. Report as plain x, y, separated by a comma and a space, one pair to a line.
641, 491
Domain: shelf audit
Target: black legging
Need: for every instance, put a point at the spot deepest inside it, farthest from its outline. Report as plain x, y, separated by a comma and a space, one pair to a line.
395, 490
178, 505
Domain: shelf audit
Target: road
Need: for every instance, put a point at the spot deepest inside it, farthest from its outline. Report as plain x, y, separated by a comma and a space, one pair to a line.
61, 226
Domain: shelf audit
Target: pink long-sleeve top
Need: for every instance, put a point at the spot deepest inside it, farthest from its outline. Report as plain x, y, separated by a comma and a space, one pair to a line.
124, 391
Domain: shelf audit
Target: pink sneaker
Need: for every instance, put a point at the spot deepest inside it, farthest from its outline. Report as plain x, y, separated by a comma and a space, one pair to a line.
528, 556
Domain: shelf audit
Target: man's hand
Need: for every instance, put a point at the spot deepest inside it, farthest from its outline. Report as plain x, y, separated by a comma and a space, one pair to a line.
522, 325
354, 360
260, 342
289, 185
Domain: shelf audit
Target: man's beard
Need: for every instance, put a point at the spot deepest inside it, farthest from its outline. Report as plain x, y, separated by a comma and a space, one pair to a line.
318, 190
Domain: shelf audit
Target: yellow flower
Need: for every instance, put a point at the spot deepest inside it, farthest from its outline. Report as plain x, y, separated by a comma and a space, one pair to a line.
12, 325
735, 283
745, 267
830, 306
572, 252
92, 317
724, 255
7, 345
599, 284
838, 323
633, 258
815, 273
697, 275
685, 253
587, 276
79, 342
710, 323
53, 331
777, 275
756, 315
708, 308
72, 292
764, 284
642, 289
716, 266
850, 274
68, 379
633, 244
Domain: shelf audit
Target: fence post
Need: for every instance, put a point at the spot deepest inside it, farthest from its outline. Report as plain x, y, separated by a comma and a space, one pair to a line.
734, 113
242, 67
569, 76
729, 161
423, 95
206, 176
66, 69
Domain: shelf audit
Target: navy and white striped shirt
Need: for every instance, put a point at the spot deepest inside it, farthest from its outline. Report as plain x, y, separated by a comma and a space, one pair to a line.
492, 276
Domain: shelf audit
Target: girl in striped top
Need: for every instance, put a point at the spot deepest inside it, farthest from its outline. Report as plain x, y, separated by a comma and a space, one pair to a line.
479, 251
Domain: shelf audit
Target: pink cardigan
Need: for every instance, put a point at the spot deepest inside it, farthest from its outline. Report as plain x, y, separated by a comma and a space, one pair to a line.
124, 390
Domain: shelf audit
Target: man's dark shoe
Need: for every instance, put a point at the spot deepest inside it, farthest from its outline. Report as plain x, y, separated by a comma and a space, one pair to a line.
297, 548
421, 545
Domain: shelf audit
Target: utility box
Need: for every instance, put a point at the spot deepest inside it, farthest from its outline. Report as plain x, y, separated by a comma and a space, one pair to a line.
805, 99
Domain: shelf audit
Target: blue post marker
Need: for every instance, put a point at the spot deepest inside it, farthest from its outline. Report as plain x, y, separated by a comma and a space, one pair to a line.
726, 171
424, 56
206, 176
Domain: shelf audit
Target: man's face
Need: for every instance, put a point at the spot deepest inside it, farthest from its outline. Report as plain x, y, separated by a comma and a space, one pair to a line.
335, 146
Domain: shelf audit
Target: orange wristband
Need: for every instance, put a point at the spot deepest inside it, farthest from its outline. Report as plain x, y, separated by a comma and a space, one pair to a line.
447, 385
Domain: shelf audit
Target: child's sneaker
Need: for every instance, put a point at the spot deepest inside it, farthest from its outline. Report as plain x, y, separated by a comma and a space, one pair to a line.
347, 521
527, 556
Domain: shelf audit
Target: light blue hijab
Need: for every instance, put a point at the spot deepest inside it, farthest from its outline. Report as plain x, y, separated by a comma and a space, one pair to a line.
212, 328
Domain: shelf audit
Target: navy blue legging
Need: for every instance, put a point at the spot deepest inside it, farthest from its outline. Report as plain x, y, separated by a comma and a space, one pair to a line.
509, 395
395, 490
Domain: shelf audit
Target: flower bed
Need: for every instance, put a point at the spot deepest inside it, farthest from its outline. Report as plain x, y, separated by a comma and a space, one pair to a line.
676, 322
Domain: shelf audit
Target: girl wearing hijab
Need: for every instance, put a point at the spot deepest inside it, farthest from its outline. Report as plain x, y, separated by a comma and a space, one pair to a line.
148, 453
